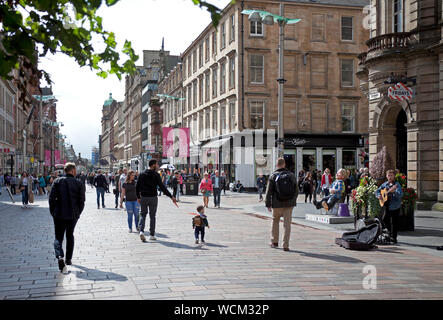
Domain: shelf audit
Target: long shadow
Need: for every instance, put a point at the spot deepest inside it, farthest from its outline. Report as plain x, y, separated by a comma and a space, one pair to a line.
180, 245
98, 275
420, 245
390, 250
420, 232
430, 217
215, 245
161, 235
335, 258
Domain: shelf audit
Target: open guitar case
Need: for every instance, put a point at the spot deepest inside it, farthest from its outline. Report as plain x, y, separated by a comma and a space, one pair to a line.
361, 239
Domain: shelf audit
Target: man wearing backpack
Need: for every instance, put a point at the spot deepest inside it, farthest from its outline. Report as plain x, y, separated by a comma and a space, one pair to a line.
281, 198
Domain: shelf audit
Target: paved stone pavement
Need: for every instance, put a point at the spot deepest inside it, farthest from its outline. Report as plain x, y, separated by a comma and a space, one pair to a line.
236, 262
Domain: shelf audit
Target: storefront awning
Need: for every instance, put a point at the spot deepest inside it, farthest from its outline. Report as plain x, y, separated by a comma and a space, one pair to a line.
215, 144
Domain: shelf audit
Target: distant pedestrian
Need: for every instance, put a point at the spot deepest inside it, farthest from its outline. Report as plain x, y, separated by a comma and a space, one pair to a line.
14, 180
129, 196
175, 182
206, 189
117, 190
25, 186
326, 182
146, 189
281, 198
100, 184
216, 188
261, 183
199, 222
224, 182
42, 183
308, 187
66, 203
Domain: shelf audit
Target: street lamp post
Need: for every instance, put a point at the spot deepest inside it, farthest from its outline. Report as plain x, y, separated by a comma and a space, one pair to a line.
269, 19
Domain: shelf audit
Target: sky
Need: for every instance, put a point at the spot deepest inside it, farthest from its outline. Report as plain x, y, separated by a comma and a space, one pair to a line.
81, 93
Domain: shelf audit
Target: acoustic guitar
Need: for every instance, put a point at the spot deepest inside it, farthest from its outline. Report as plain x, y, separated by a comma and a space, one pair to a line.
384, 195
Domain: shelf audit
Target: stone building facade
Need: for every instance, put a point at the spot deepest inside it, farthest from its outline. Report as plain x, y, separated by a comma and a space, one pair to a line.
405, 46
229, 84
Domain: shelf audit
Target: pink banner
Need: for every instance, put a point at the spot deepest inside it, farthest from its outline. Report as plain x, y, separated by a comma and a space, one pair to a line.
47, 158
57, 156
176, 142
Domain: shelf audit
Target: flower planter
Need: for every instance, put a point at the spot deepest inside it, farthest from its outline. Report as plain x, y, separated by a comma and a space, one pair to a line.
406, 218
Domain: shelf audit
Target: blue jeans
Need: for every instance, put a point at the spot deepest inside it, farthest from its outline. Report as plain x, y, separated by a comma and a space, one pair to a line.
132, 208
217, 194
25, 195
100, 192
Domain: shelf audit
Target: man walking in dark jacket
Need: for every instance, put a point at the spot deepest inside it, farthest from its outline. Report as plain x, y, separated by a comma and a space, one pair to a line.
281, 198
146, 189
66, 203
100, 185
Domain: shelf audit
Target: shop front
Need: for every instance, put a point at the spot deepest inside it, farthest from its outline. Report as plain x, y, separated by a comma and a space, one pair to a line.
310, 152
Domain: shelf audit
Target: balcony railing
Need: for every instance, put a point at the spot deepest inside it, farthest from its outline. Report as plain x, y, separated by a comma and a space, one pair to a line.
389, 41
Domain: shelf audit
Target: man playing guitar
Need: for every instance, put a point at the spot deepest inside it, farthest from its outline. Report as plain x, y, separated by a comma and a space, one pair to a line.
392, 205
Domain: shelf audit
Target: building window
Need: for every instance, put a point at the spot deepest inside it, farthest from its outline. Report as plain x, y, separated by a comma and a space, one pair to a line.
232, 33
231, 73
319, 72
207, 86
200, 55
194, 61
214, 122
256, 29
318, 27
349, 159
222, 78
207, 123
347, 32
347, 72
189, 64
200, 126
348, 117
214, 82
207, 49
257, 68
256, 111
397, 15
223, 36
232, 116
200, 91
189, 98
223, 119
194, 94
214, 43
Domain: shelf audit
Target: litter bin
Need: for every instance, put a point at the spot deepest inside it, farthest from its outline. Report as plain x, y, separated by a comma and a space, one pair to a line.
191, 187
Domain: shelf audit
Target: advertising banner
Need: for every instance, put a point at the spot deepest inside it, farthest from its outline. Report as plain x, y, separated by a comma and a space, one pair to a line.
176, 142
57, 156
47, 158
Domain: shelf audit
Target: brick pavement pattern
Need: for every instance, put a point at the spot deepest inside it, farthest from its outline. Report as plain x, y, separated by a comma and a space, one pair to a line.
236, 262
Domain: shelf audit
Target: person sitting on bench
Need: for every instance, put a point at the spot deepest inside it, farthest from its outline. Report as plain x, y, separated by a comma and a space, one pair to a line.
336, 192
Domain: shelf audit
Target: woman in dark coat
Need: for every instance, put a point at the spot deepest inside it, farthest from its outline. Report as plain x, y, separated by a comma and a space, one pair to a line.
308, 186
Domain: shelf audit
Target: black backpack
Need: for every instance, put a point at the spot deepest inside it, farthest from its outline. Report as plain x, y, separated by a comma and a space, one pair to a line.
284, 186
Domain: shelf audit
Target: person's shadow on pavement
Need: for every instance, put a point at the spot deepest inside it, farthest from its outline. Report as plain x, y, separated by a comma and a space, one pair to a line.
335, 258
95, 274
179, 245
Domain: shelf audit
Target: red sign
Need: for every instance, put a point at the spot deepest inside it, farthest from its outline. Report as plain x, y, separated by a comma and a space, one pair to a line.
400, 92
176, 142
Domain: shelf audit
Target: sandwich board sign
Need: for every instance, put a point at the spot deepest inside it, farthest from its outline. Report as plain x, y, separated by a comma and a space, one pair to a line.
400, 92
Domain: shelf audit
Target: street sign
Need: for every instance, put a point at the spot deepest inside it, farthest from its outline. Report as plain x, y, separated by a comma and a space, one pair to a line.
400, 92
374, 95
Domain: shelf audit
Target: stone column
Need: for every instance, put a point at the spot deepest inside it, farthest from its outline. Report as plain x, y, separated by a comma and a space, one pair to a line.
299, 160
319, 159
439, 205
339, 158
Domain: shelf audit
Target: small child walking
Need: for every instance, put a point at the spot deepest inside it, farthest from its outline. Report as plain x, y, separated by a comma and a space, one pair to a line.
199, 222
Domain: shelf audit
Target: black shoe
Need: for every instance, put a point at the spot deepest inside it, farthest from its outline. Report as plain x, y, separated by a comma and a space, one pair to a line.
68, 262
98, 207
116, 207
440, 248
61, 263
103, 206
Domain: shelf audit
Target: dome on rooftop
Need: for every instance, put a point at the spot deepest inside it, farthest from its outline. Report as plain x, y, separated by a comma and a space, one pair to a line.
109, 101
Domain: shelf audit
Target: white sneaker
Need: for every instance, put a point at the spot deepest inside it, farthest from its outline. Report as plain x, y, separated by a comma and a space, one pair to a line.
142, 236
152, 238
